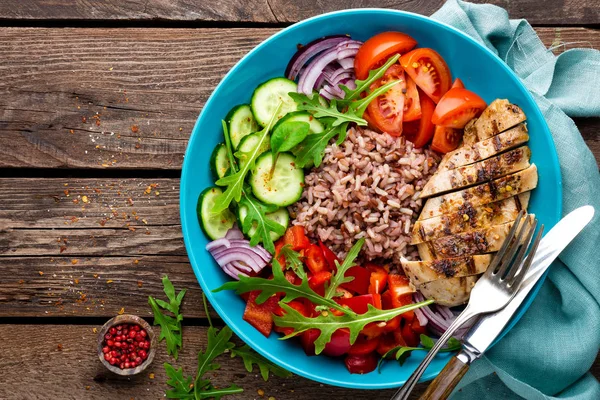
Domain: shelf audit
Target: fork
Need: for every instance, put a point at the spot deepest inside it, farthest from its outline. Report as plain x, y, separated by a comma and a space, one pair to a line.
493, 291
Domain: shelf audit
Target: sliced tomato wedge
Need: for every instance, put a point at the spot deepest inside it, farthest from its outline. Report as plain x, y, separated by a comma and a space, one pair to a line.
387, 110
445, 139
429, 71
376, 50
457, 107
420, 132
412, 105
458, 84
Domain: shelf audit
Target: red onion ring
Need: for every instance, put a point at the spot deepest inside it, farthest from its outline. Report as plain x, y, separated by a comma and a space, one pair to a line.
347, 63
307, 80
305, 53
218, 243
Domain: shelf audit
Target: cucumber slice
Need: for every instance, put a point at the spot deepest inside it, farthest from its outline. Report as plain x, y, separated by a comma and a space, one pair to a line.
248, 144
302, 116
219, 163
240, 122
268, 95
281, 216
286, 184
215, 225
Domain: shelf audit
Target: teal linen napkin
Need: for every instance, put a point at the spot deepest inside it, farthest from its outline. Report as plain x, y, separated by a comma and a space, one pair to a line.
548, 354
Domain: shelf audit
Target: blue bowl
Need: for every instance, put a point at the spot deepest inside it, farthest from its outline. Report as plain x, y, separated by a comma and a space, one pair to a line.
480, 70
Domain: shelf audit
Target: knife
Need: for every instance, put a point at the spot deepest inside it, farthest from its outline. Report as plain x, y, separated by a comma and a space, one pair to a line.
485, 331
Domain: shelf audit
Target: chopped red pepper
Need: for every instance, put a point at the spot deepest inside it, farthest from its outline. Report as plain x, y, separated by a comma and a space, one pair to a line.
361, 364
278, 246
401, 293
378, 279
388, 341
260, 316
307, 338
360, 283
296, 238
317, 281
330, 256
374, 329
339, 343
296, 305
358, 304
386, 302
363, 345
315, 260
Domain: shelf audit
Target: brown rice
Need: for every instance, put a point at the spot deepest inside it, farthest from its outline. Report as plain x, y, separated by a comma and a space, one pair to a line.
367, 187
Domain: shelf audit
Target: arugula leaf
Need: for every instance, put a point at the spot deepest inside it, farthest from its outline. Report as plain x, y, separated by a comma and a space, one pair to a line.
402, 352
327, 323
235, 181
216, 394
311, 150
363, 85
313, 105
218, 343
250, 357
229, 147
292, 260
278, 284
287, 135
256, 219
339, 278
182, 386
170, 327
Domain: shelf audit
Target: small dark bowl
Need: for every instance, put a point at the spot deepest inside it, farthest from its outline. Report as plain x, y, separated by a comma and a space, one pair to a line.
127, 319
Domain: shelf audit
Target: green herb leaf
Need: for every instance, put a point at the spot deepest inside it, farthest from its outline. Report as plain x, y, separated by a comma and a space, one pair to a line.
216, 394
339, 278
364, 85
312, 149
228, 147
293, 261
170, 326
313, 105
327, 323
218, 343
256, 219
278, 284
235, 181
182, 386
402, 352
250, 357
287, 135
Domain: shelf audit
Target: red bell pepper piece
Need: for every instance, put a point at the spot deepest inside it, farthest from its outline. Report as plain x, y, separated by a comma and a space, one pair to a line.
410, 337
315, 260
339, 343
378, 279
307, 339
330, 256
363, 346
401, 293
296, 305
360, 283
388, 341
317, 281
296, 238
373, 329
361, 364
260, 316
358, 304
278, 246
386, 302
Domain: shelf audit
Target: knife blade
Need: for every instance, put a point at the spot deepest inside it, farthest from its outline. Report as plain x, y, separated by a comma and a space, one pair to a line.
485, 330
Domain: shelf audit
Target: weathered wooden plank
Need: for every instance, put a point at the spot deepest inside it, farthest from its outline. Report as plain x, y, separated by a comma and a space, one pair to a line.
128, 98
37, 369
274, 11
92, 286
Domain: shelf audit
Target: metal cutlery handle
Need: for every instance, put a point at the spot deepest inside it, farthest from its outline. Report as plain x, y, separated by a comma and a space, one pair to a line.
404, 391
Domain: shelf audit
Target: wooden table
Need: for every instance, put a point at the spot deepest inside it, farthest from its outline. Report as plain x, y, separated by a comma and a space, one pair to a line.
97, 102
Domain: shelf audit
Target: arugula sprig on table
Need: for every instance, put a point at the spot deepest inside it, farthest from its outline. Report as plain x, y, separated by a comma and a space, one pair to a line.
256, 216
402, 352
170, 326
337, 114
235, 181
339, 277
184, 387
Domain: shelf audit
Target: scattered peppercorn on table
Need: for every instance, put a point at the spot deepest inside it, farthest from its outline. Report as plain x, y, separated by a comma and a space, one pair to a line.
97, 103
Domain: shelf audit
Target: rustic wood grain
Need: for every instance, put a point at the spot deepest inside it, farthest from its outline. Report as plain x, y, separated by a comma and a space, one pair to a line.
41, 371
562, 12
128, 98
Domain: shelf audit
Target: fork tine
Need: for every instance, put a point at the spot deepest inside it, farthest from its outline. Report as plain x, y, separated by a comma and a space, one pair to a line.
500, 255
518, 278
521, 254
512, 250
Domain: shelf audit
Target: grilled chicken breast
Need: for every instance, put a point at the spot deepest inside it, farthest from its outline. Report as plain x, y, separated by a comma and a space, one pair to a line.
449, 292
469, 218
479, 241
420, 272
497, 189
499, 116
466, 155
482, 171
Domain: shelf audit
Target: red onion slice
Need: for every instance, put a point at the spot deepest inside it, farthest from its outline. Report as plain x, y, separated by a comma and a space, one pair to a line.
264, 254
346, 53
234, 233
421, 317
223, 242
342, 77
326, 94
307, 80
305, 53
240, 254
347, 63
240, 265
